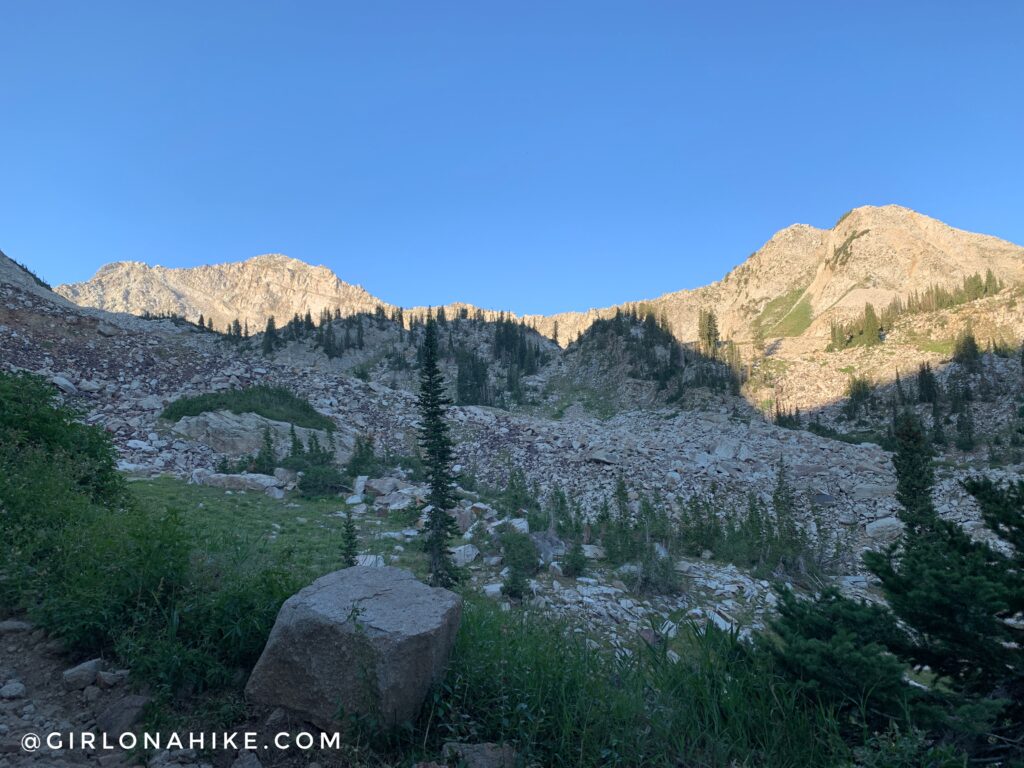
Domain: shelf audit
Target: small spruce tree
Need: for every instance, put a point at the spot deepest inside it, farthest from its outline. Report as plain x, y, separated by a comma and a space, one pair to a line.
349, 540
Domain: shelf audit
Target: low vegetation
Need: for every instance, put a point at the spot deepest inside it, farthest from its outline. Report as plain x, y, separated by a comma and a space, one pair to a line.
785, 315
870, 329
182, 583
275, 403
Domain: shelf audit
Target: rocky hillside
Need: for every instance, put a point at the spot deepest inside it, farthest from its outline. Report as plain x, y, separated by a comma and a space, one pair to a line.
795, 284
788, 293
803, 276
251, 291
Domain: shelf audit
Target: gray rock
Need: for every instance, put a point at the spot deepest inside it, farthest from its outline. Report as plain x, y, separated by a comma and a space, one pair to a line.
151, 403
240, 434
77, 678
380, 486
247, 760
602, 456
464, 555
246, 481
286, 475
111, 679
873, 491
13, 690
122, 715
883, 528
361, 640
64, 385
11, 626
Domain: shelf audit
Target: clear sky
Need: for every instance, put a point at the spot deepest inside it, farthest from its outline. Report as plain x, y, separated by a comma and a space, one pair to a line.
533, 156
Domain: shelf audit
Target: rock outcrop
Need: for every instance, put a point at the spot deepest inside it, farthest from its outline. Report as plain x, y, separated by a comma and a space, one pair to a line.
363, 640
241, 434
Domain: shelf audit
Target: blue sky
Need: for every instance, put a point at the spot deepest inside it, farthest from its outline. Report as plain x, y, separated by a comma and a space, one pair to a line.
533, 156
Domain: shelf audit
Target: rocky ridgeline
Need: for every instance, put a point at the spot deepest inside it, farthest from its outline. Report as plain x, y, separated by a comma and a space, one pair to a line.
123, 371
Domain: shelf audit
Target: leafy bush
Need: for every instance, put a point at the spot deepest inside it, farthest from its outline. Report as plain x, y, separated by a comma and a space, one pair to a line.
275, 403
109, 575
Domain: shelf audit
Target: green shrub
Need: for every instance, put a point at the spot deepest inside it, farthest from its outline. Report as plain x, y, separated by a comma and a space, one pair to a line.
107, 574
320, 482
275, 403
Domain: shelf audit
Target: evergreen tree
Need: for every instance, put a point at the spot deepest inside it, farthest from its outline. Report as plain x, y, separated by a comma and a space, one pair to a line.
872, 327
965, 430
707, 332
266, 459
966, 351
349, 540
296, 449
912, 461
270, 336
575, 560
202, 321
927, 385
938, 433
438, 452
952, 602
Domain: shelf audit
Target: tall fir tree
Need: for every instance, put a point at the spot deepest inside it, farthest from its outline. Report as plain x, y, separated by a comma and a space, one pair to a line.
270, 336
438, 453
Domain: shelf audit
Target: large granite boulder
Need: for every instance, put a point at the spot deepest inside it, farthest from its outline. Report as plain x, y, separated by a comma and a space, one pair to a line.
241, 434
363, 640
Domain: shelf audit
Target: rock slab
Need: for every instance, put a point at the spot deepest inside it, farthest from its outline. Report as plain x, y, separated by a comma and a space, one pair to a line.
363, 641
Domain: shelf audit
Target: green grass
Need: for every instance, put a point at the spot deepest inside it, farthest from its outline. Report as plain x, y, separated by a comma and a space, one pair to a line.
936, 346
275, 403
306, 531
532, 680
786, 315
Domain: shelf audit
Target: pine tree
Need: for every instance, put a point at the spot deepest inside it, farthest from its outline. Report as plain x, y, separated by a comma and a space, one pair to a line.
927, 385
296, 449
266, 459
965, 430
951, 602
349, 540
575, 560
202, 321
912, 461
966, 351
270, 336
707, 332
438, 453
872, 327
